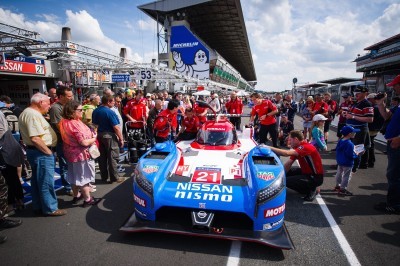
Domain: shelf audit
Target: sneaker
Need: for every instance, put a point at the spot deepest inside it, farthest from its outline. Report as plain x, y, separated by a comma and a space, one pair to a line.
337, 188
311, 196
75, 200
6, 223
93, 201
59, 212
383, 207
345, 192
363, 167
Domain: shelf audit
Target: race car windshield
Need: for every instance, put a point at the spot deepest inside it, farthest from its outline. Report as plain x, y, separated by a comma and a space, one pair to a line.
215, 138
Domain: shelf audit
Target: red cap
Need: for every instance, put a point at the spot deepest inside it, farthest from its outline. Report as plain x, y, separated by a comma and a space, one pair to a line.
395, 81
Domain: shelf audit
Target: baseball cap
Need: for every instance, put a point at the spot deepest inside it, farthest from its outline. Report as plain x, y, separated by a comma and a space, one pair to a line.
371, 95
361, 89
346, 130
319, 117
148, 95
395, 81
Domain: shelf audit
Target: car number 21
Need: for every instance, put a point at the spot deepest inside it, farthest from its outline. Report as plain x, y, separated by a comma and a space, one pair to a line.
207, 176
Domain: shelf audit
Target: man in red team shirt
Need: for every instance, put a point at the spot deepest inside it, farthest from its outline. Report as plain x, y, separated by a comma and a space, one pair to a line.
200, 112
310, 175
265, 110
166, 122
235, 107
190, 126
320, 107
136, 111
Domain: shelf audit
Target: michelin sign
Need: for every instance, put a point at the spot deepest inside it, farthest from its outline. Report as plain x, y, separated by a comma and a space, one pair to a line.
190, 56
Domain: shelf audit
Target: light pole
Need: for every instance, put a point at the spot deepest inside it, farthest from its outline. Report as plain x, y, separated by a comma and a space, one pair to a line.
294, 86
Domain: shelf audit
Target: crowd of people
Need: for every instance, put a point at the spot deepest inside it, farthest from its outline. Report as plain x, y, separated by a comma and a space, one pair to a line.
97, 129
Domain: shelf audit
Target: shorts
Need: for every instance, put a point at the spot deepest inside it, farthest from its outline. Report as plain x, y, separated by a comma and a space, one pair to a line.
327, 125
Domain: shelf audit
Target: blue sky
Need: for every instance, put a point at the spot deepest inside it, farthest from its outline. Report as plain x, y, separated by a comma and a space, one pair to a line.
311, 40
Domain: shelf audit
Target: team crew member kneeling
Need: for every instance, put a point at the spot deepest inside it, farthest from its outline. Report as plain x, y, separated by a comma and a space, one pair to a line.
310, 175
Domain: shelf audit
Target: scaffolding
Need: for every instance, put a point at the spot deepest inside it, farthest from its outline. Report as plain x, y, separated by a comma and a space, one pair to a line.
75, 57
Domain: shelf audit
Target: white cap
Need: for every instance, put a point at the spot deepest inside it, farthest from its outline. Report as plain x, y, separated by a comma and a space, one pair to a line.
319, 117
148, 95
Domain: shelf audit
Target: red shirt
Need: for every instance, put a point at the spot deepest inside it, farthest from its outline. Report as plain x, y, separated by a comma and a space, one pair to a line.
191, 124
164, 122
198, 111
137, 110
264, 108
309, 159
320, 108
234, 106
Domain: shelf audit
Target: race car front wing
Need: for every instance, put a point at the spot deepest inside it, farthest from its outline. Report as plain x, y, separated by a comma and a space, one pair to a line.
278, 239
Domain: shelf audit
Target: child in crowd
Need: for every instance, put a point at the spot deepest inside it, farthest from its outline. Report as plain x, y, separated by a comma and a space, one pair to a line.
317, 132
345, 156
284, 129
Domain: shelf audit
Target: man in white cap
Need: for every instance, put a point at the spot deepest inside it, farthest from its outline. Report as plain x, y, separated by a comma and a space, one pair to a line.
392, 135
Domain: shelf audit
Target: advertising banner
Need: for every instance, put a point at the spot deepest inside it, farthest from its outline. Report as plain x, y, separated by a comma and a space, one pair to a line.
190, 56
25, 65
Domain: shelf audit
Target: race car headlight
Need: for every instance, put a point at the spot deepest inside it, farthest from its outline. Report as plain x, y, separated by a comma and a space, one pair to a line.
143, 183
272, 190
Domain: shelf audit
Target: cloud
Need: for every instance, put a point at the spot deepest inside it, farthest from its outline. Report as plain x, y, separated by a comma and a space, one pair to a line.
147, 25
313, 40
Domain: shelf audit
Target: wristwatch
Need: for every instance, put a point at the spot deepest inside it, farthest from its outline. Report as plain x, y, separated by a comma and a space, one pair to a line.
352, 117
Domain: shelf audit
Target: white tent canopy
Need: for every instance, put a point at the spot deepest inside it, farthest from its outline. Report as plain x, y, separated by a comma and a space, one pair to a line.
202, 93
242, 93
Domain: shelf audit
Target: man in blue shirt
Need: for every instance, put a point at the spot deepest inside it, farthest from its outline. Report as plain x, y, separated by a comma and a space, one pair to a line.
110, 139
392, 135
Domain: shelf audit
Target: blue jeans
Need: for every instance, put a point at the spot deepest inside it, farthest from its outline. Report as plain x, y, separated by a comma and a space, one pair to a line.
42, 181
393, 177
62, 163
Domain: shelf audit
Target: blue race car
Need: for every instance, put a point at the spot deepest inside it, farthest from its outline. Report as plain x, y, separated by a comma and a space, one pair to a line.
221, 185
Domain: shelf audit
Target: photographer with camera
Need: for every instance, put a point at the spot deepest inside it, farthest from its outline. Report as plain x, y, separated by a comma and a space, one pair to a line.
392, 135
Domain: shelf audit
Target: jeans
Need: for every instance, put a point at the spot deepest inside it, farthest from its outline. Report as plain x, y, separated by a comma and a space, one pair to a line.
393, 177
62, 163
343, 176
42, 181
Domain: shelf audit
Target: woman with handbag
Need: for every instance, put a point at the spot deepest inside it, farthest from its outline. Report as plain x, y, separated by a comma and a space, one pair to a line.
78, 139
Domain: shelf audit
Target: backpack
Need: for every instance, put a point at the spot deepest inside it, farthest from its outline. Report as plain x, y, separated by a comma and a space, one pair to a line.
85, 108
11, 118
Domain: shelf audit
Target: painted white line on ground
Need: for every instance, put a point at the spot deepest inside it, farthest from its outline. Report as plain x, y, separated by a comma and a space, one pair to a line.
348, 252
350, 255
234, 254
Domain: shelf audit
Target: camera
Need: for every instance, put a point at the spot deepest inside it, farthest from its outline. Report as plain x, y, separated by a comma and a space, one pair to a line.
379, 95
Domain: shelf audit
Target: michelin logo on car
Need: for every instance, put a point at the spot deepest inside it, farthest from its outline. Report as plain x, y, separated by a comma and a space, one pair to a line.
269, 226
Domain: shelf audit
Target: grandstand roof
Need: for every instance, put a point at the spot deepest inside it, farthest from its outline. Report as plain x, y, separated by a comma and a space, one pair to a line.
219, 23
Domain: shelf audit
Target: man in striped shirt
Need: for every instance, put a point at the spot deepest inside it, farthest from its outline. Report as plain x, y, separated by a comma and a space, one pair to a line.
359, 115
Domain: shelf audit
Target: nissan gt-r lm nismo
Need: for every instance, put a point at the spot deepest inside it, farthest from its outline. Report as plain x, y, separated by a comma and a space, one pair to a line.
219, 185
